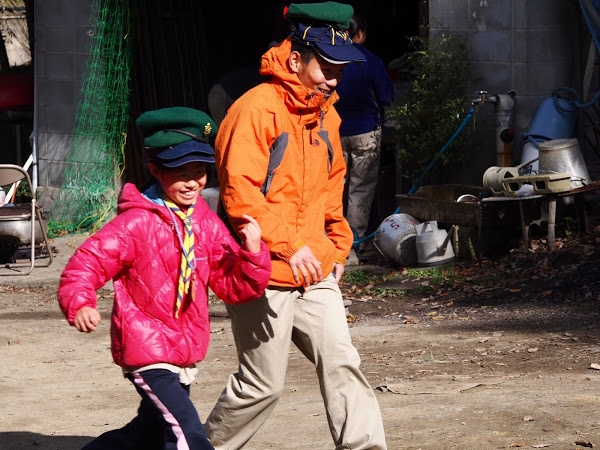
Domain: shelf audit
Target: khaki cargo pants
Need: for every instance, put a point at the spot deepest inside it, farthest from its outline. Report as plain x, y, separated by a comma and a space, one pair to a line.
315, 320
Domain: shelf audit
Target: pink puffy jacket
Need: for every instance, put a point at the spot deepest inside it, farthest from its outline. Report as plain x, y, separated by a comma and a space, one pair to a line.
140, 251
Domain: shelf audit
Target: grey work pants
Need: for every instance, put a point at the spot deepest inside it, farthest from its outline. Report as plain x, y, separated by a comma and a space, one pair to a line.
315, 320
362, 154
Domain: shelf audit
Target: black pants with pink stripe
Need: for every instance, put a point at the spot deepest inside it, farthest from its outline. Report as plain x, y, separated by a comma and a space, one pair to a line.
167, 419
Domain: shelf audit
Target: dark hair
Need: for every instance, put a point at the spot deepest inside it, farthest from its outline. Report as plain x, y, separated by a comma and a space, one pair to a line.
151, 157
306, 53
357, 23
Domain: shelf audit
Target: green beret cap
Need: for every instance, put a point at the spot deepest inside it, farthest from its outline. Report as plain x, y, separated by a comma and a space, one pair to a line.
171, 126
328, 12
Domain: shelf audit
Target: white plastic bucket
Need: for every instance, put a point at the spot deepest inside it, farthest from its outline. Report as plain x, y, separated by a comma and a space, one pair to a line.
530, 152
395, 239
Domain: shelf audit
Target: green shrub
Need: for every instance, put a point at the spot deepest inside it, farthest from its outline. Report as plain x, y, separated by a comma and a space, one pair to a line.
430, 112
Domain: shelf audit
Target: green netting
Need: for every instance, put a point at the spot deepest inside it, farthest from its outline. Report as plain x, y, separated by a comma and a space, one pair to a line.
95, 162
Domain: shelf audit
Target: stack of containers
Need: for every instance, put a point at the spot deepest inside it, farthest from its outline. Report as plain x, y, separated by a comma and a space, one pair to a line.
554, 119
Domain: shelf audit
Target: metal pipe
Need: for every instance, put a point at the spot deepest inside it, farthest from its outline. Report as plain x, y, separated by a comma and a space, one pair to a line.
34, 136
504, 110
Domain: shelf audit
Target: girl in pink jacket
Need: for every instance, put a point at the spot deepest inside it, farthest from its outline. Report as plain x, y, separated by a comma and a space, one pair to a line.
163, 250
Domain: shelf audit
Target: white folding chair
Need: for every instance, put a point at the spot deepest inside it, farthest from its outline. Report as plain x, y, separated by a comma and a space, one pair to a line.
21, 225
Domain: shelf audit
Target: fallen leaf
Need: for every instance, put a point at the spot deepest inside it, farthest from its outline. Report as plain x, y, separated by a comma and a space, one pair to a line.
527, 419
585, 444
540, 446
595, 366
409, 319
514, 291
546, 293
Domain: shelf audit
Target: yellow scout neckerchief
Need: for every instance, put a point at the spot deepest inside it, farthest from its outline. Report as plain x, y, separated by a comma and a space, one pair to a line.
188, 261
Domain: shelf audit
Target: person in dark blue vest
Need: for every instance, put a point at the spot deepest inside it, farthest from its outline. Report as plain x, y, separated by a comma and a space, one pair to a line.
364, 89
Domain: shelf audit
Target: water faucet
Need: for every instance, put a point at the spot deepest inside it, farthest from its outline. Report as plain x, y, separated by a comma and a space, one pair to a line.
482, 97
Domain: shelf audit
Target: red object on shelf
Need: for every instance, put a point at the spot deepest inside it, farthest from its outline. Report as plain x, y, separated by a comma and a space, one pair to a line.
16, 90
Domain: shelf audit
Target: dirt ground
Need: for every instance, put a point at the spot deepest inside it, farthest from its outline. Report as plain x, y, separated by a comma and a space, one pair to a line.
499, 354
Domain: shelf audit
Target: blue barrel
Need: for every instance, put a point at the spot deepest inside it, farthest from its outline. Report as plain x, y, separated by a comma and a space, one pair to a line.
554, 119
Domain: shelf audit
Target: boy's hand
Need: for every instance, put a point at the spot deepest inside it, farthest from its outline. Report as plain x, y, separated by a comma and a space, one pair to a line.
87, 319
251, 234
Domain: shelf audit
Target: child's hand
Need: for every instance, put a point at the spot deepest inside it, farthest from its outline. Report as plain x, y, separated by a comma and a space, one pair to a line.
251, 234
87, 319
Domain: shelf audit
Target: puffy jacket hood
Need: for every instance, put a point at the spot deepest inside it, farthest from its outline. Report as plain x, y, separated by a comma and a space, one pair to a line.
150, 200
274, 62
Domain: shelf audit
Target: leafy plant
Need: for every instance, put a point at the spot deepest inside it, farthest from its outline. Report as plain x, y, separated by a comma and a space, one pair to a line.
388, 292
361, 283
358, 277
433, 109
568, 222
22, 194
56, 228
442, 275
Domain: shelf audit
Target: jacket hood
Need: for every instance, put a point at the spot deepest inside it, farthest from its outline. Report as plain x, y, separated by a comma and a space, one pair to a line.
131, 198
274, 63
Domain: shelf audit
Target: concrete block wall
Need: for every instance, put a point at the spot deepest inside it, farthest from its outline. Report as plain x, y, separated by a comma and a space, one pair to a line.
530, 46
62, 34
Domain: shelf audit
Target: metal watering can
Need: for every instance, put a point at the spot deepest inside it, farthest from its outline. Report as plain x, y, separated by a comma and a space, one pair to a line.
433, 244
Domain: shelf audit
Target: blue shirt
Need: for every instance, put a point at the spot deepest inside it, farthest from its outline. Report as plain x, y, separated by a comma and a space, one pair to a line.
364, 89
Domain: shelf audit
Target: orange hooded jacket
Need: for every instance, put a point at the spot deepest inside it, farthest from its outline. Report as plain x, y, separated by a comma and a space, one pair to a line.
303, 205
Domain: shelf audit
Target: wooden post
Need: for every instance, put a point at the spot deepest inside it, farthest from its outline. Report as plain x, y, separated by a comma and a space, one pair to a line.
551, 222
506, 155
524, 226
